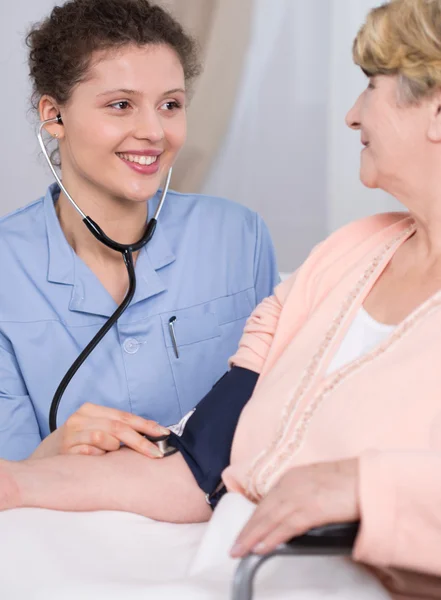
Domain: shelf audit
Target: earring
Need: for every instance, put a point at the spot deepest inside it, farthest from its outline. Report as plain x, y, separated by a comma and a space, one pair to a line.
55, 135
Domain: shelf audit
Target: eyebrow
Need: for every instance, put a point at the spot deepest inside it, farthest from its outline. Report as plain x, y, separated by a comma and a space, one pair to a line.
138, 93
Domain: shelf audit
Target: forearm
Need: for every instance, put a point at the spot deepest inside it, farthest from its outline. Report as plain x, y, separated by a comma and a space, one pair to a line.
400, 496
162, 489
165, 489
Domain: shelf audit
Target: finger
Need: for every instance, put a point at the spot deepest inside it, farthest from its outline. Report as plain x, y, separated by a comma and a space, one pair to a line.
132, 439
108, 434
134, 421
86, 450
97, 434
284, 532
265, 519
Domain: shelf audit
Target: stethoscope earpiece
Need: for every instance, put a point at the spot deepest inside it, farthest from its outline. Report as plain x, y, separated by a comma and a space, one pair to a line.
59, 119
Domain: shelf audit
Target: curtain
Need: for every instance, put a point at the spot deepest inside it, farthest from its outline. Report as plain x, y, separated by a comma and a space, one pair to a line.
287, 152
222, 28
273, 158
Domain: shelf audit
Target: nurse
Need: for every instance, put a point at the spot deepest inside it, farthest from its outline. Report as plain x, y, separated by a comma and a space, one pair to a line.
118, 72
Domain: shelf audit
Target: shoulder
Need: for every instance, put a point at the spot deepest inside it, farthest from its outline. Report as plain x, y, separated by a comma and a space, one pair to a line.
344, 248
220, 236
20, 220
23, 256
359, 237
369, 228
206, 206
22, 238
220, 225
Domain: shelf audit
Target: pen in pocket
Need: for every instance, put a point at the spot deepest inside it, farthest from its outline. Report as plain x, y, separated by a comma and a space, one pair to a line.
171, 327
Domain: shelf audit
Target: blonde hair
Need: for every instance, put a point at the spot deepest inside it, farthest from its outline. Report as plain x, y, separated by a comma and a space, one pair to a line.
403, 37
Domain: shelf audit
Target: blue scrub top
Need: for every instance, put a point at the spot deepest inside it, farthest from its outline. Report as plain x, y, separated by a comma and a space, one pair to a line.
209, 263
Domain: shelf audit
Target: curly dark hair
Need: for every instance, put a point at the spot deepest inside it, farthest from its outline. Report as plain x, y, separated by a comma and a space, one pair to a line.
61, 46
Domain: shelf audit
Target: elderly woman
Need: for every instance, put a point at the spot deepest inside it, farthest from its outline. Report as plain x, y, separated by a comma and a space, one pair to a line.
345, 420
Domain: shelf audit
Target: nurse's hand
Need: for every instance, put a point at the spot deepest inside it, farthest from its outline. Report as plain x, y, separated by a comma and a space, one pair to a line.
95, 430
305, 497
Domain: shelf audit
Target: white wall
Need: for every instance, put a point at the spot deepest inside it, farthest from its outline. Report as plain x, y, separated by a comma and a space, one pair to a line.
23, 173
347, 198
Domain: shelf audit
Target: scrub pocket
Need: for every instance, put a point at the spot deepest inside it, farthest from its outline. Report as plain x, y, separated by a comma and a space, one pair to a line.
206, 336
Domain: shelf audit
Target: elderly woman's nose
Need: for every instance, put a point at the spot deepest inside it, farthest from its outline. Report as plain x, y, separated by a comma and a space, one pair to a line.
353, 117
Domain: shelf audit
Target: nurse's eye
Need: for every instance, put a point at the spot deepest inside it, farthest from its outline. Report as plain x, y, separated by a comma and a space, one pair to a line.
371, 84
171, 105
122, 105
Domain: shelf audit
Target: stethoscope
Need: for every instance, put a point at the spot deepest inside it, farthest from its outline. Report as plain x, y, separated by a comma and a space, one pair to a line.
127, 253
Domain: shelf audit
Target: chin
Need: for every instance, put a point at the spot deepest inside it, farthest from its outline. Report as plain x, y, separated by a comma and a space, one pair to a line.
141, 193
369, 180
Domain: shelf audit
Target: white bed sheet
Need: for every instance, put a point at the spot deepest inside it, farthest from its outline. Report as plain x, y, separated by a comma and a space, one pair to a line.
118, 556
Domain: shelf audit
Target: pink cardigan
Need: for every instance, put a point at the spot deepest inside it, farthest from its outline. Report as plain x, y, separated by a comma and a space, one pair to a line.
384, 407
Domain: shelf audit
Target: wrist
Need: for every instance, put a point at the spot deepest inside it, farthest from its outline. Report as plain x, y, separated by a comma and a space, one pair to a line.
353, 466
47, 447
10, 493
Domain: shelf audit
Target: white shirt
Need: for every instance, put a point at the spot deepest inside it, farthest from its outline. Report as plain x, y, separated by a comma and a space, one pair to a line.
362, 336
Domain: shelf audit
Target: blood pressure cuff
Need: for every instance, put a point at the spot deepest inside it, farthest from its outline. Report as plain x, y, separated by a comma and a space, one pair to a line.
205, 437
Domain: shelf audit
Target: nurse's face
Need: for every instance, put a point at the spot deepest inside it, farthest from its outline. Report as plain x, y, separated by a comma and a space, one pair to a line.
126, 122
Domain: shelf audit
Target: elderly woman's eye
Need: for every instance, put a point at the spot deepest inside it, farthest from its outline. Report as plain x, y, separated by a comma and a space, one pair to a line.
371, 85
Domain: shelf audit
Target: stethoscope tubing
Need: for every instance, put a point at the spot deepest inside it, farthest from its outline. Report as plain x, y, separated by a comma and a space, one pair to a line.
127, 253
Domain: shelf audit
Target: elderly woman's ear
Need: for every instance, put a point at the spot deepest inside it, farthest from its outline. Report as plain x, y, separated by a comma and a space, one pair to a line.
434, 128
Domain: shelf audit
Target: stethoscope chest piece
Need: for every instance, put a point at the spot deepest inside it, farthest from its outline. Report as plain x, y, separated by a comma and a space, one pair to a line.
162, 443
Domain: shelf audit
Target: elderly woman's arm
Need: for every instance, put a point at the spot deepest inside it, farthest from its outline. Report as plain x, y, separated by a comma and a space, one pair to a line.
395, 495
165, 489
400, 506
260, 329
170, 489
304, 497
162, 489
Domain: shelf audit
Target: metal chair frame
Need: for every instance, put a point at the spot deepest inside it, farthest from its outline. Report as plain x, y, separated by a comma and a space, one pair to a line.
331, 540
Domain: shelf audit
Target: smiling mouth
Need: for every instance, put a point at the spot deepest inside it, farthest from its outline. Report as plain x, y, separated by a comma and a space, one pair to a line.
140, 160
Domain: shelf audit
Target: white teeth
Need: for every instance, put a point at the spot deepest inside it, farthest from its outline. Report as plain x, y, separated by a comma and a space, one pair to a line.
141, 160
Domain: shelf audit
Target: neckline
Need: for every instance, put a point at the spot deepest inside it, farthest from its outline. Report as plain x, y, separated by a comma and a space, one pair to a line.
373, 323
316, 371
354, 301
